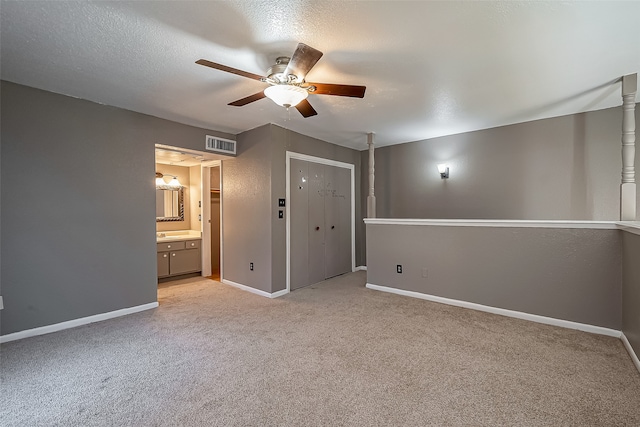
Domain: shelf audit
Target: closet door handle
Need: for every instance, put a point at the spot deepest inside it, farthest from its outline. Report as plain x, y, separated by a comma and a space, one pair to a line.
333, 226
317, 228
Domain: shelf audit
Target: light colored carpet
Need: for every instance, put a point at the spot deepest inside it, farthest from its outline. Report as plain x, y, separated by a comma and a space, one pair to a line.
334, 353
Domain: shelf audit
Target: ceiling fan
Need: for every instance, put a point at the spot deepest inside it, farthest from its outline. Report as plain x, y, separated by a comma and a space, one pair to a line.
287, 85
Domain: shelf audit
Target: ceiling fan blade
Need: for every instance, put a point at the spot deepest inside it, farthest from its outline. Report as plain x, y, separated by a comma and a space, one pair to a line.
303, 60
337, 90
249, 99
306, 109
228, 69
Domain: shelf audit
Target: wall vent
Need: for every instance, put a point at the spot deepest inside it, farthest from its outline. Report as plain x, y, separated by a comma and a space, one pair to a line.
220, 145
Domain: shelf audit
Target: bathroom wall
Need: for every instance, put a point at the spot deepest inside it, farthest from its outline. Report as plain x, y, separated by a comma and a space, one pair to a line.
195, 194
183, 174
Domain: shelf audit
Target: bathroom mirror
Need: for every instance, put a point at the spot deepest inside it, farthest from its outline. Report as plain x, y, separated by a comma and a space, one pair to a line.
169, 203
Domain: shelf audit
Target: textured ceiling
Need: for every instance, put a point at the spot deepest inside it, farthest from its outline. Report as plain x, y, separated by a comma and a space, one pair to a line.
431, 68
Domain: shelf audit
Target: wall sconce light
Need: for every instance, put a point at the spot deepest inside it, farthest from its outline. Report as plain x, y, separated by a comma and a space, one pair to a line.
443, 168
160, 182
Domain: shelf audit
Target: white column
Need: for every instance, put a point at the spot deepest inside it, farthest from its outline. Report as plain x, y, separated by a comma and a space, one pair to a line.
371, 198
628, 186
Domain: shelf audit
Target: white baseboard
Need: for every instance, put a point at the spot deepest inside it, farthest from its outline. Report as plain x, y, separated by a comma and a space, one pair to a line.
361, 267
634, 356
75, 322
278, 294
502, 311
254, 290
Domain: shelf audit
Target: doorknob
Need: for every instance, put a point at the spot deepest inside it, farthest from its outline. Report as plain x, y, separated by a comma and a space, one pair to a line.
333, 226
317, 228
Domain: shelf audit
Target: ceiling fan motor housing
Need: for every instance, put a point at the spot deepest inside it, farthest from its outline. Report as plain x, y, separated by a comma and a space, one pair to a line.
276, 74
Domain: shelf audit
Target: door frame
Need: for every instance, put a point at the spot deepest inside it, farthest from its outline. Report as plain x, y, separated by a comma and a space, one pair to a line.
329, 162
205, 210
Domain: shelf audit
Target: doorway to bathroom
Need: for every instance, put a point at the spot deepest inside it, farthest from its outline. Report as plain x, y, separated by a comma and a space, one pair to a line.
188, 214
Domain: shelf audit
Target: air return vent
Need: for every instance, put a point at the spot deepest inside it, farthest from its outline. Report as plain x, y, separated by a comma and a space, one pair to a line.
220, 145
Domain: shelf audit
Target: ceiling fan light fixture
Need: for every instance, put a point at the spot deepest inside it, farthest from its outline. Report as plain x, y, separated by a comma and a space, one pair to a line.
286, 95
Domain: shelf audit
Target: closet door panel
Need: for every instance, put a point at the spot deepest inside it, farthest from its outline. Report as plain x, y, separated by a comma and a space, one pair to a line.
316, 229
337, 210
299, 216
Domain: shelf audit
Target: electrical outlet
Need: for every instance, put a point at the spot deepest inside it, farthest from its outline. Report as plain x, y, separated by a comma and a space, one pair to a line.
399, 268
251, 266
425, 273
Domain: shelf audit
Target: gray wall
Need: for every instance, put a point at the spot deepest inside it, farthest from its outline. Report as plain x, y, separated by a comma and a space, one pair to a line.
285, 140
570, 274
78, 206
560, 168
631, 289
252, 184
246, 210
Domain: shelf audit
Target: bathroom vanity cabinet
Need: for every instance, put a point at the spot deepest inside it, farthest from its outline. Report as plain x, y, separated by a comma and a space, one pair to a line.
179, 257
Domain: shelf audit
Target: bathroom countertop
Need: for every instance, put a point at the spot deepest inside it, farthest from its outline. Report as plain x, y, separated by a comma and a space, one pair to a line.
175, 236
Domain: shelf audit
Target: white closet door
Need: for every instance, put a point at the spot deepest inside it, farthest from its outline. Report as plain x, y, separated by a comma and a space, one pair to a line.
316, 228
337, 214
320, 222
299, 217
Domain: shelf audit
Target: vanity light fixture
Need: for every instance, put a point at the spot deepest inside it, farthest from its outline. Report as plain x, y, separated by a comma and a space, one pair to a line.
174, 182
443, 168
160, 182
